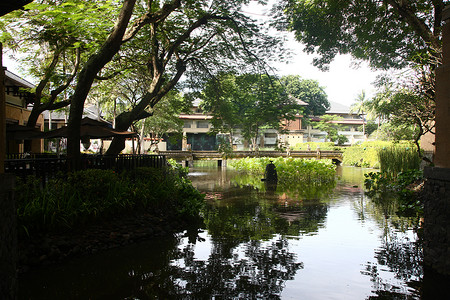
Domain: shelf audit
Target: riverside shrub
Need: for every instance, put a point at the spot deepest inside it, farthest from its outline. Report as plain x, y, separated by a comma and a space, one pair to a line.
87, 196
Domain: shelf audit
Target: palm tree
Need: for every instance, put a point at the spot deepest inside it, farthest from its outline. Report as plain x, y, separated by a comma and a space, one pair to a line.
360, 106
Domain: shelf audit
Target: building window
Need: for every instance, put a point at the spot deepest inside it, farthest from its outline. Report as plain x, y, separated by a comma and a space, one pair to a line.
187, 124
202, 124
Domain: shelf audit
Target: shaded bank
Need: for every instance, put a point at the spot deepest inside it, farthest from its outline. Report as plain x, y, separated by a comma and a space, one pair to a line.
90, 210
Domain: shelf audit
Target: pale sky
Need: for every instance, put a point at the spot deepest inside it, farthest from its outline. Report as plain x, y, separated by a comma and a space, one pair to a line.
343, 82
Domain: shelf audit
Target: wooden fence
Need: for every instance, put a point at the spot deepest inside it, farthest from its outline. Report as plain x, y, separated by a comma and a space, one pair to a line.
47, 168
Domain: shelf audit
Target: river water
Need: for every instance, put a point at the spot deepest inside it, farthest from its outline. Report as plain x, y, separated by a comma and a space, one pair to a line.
330, 242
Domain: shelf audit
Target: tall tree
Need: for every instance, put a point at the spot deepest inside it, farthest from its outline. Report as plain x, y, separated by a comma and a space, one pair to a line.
360, 107
171, 38
329, 124
309, 91
249, 102
198, 39
51, 42
391, 33
405, 107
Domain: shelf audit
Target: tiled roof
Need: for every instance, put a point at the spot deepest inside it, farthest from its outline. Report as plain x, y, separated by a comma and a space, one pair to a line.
337, 108
18, 80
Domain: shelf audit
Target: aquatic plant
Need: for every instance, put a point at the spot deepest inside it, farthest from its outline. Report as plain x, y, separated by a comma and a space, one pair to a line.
289, 169
366, 154
396, 159
382, 187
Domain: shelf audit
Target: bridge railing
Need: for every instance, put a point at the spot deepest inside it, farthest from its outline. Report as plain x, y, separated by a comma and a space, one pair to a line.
242, 153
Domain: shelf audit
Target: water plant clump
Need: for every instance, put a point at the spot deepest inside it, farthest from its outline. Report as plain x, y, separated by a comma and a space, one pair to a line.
289, 169
404, 188
366, 154
395, 159
90, 196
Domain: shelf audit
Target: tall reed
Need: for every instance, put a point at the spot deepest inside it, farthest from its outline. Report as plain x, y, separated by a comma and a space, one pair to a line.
394, 160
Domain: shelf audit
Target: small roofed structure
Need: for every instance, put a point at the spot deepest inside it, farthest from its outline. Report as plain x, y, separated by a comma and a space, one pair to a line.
90, 129
20, 132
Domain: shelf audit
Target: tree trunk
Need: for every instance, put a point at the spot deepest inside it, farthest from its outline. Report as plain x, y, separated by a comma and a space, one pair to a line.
86, 78
141, 145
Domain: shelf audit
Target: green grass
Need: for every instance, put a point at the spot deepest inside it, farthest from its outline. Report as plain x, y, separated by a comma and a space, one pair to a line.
396, 159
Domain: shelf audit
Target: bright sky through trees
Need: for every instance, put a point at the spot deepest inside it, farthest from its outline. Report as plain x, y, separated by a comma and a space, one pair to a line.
343, 82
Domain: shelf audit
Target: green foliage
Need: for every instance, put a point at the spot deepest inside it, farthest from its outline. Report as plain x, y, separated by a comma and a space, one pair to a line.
289, 169
366, 153
395, 132
85, 197
328, 124
341, 139
46, 31
363, 155
225, 146
314, 145
396, 159
249, 102
408, 108
309, 91
385, 33
370, 127
382, 186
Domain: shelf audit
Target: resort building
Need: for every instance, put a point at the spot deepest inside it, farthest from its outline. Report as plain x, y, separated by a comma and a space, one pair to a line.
17, 115
197, 125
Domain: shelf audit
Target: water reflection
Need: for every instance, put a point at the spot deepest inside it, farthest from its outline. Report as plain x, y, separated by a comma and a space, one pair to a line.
259, 242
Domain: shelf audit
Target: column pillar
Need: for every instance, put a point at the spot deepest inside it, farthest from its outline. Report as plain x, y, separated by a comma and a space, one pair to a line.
436, 246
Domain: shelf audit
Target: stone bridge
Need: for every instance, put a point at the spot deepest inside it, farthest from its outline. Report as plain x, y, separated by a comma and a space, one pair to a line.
189, 156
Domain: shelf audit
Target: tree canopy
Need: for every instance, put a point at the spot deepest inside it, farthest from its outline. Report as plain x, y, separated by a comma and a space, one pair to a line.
249, 103
391, 33
169, 39
309, 91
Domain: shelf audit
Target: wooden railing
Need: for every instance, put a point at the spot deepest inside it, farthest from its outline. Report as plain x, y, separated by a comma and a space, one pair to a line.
47, 168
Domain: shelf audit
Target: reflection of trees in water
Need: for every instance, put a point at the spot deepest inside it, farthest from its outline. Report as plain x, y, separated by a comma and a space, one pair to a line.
401, 255
249, 214
255, 270
259, 272
297, 190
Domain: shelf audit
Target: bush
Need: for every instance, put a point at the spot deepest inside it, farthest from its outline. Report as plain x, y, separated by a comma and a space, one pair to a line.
313, 146
87, 196
382, 186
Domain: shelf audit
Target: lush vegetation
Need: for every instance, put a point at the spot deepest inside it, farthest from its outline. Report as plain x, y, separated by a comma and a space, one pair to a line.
290, 169
398, 178
366, 154
84, 197
382, 187
249, 102
395, 159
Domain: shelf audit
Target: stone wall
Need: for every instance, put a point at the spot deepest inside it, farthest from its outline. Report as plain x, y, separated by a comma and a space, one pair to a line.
437, 219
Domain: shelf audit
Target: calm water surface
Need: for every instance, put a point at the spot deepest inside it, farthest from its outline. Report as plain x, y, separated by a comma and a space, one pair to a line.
259, 242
